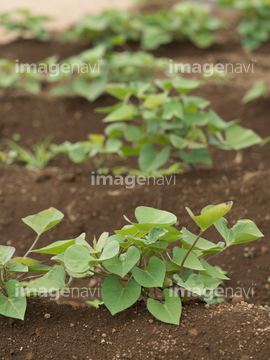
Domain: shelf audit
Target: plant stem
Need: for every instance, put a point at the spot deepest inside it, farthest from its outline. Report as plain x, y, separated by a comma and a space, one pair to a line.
33, 245
189, 251
100, 273
2, 280
141, 258
29, 277
211, 257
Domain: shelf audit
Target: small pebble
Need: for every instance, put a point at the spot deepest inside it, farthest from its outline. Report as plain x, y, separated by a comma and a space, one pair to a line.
237, 300
47, 316
193, 332
151, 321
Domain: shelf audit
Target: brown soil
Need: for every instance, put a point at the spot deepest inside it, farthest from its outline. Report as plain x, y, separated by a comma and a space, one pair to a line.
87, 333
220, 332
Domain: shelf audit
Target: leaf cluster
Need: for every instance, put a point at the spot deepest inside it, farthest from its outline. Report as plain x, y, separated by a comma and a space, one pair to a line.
137, 260
159, 123
23, 21
183, 21
255, 26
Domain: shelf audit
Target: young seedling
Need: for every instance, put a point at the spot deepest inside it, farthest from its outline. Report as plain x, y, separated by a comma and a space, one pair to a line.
10, 78
139, 260
161, 124
39, 157
90, 71
181, 22
24, 22
14, 272
255, 26
258, 90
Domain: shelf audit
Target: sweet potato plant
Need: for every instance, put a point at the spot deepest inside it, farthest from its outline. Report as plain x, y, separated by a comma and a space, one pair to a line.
149, 258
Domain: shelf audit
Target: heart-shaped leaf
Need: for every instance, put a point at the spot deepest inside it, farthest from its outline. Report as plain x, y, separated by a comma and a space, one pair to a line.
58, 247
150, 159
116, 298
153, 276
99, 245
210, 214
194, 284
243, 231
124, 112
53, 281
155, 233
212, 271
110, 250
26, 261
15, 304
170, 311
191, 262
205, 246
123, 264
6, 253
14, 266
148, 215
44, 220
77, 258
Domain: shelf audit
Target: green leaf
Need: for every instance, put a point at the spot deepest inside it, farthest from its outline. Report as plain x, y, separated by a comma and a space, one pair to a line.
149, 215
209, 282
151, 160
119, 91
132, 133
184, 86
210, 214
170, 311
95, 303
40, 268
44, 220
196, 118
17, 267
14, 305
171, 267
77, 259
173, 108
51, 282
193, 284
153, 276
205, 246
32, 86
238, 137
93, 54
196, 156
56, 248
191, 262
123, 264
153, 101
154, 36
257, 90
124, 112
116, 298
212, 271
6, 253
110, 250
26, 261
101, 242
155, 234
89, 89
242, 232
